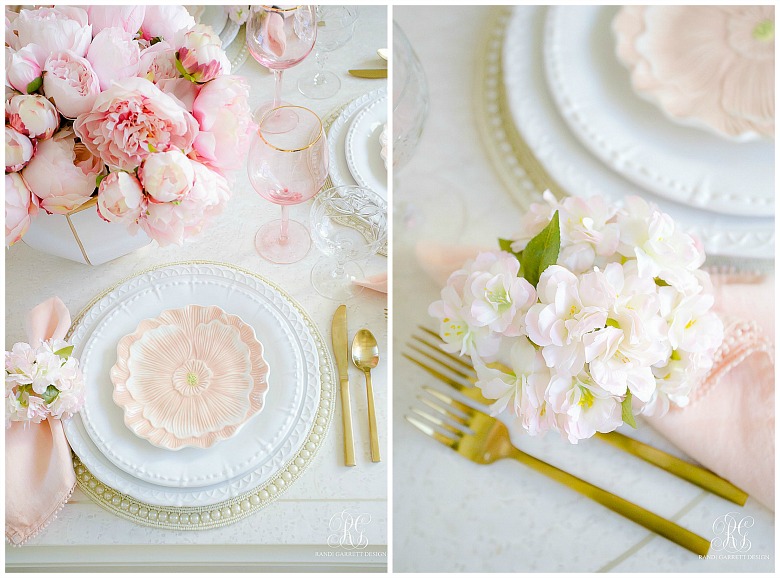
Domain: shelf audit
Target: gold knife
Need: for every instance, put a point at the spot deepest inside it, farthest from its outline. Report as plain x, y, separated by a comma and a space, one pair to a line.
340, 351
370, 72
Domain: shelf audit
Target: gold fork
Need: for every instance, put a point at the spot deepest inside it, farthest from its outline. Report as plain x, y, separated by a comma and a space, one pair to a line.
701, 477
490, 442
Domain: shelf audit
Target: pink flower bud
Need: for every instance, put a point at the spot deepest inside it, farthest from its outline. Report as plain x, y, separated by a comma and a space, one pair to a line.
32, 115
25, 68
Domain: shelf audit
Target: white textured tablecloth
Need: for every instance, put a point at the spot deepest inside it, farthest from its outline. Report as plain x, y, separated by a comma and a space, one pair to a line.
291, 532
452, 515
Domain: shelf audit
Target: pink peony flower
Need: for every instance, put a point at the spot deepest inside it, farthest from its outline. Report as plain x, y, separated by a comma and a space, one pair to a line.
200, 57
114, 55
210, 192
165, 21
18, 150
71, 83
181, 90
25, 69
63, 173
167, 177
158, 62
11, 39
170, 223
130, 120
32, 115
55, 29
163, 223
222, 110
128, 18
120, 198
20, 206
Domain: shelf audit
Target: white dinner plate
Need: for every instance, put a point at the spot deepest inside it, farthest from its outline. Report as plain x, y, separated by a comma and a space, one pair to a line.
633, 137
195, 476
337, 137
363, 149
537, 118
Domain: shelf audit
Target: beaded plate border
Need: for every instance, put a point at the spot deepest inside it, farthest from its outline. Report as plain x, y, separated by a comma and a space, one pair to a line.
235, 509
522, 174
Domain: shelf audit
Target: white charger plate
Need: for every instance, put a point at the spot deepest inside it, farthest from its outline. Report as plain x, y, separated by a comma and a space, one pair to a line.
337, 137
633, 137
281, 431
363, 149
197, 467
536, 117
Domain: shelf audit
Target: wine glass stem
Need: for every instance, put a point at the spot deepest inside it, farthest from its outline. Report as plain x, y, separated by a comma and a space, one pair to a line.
285, 223
321, 57
339, 270
277, 87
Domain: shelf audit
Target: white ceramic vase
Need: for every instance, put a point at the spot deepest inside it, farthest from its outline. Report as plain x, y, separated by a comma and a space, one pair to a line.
82, 236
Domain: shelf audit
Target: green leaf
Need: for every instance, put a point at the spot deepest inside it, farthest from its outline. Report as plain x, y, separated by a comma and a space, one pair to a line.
628, 414
65, 352
34, 85
542, 251
505, 245
660, 282
50, 394
182, 70
99, 179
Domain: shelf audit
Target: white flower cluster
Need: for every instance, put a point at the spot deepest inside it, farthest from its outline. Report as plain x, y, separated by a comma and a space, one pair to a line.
621, 321
42, 382
238, 14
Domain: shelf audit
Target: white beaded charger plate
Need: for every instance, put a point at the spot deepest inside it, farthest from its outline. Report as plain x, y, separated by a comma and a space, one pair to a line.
210, 505
633, 137
518, 100
337, 137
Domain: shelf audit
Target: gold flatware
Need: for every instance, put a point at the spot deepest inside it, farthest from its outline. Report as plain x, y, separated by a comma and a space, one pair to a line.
365, 356
340, 351
369, 72
490, 442
463, 370
383, 53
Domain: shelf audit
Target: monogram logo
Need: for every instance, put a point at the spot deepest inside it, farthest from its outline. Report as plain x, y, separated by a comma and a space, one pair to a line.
348, 531
731, 534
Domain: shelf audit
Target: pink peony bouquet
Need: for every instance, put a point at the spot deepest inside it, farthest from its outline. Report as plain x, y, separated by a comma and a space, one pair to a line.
132, 104
42, 382
591, 315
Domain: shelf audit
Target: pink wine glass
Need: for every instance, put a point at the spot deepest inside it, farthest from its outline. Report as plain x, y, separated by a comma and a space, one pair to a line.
287, 168
279, 38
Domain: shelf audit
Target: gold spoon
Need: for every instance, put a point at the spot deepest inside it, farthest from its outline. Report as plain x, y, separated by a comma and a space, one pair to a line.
383, 53
365, 356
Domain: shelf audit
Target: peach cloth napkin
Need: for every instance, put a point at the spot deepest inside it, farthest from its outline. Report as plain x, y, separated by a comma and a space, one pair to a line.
39, 477
375, 282
729, 425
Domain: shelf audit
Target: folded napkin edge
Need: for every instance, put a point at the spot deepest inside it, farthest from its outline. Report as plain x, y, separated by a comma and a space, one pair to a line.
17, 539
